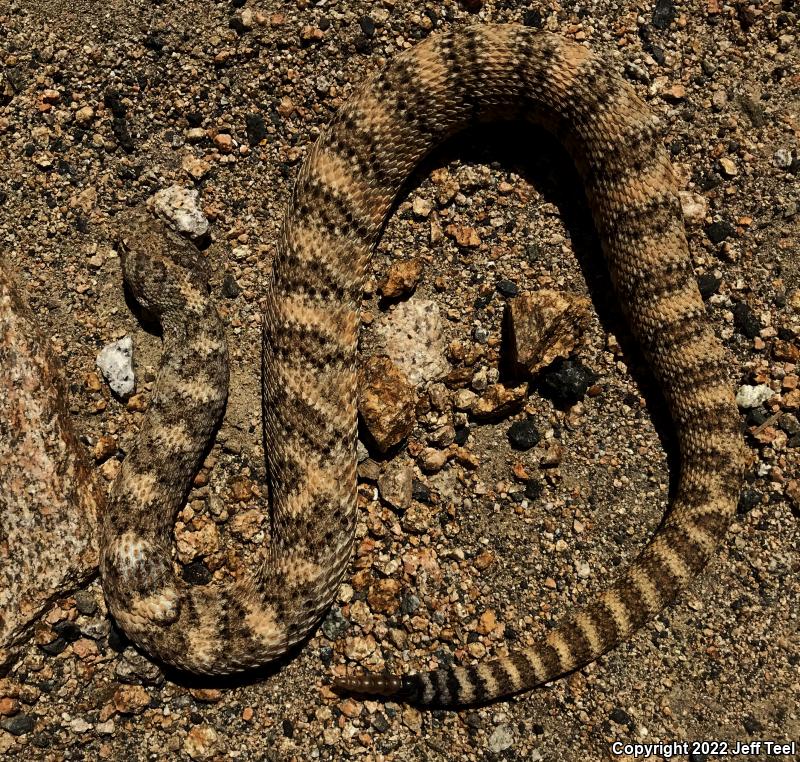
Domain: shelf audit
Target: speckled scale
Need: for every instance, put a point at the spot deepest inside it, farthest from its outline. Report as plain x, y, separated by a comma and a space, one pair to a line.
343, 193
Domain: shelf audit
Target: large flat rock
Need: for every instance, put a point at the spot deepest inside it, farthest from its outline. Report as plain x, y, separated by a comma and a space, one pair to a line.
48, 501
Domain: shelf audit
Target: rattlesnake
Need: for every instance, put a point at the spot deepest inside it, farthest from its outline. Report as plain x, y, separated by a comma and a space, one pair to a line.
343, 193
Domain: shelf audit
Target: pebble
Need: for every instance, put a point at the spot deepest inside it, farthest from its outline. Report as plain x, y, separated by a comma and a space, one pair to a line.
502, 738
709, 284
421, 207
694, 206
386, 401
18, 725
131, 699
566, 381
664, 14
115, 362
523, 435
201, 742
719, 231
401, 279
432, 460
745, 320
752, 396
728, 167
782, 158
85, 602
465, 236
84, 115
178, 205
499, 401
507, 288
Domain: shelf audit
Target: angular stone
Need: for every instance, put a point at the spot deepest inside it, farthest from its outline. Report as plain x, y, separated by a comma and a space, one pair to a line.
544, 325
396, 483
386, 401
48, 499
402, 278
499, 401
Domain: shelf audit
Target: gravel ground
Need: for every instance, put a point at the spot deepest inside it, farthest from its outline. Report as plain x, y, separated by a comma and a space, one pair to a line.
103, 104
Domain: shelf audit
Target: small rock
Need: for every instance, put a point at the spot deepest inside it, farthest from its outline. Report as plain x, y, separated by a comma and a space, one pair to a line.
566, 381
728, 167
544, 325
84, 115
131, 699
507, 288
499, 401
412, 335
9, 707
664, 14
104, 448
367, 26
224, 143
246, 524
782, 158
523, 435
79, 725
719, 231
135, 669
18, 725
178, 205
464, 400
465, 236
386, 401
194, 167
395, 484
745, 320
502, 738
201, 742
206, 695
675, 94
384, 596
421, 207
115, 362
311, 34
694, 206
709, 284
752, 396
719, 99
401, 279
432, 460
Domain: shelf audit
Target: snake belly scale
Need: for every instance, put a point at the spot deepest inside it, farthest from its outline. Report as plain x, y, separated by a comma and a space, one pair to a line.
343, 193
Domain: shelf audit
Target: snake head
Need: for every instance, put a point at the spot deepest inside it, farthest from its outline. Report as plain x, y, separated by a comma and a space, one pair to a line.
160, 267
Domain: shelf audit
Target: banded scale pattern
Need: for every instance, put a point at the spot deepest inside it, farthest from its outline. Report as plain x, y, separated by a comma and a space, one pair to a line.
343, 193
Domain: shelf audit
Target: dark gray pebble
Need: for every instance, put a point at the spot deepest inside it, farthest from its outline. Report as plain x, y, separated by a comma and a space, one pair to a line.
523, 435
566, 381
719, 231
18, 725
745, 320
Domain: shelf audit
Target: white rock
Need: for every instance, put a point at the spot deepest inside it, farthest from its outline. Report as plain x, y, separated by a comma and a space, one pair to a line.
79, 725
753, 396
115, 362
583, 569
178, 205
412, 336
501, 739
694, 206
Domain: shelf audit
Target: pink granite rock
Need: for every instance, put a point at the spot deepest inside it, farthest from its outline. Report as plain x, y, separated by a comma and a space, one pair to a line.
48, 501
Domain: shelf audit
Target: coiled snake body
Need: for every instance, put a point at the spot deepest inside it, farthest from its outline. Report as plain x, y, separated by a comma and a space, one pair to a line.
343, 193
